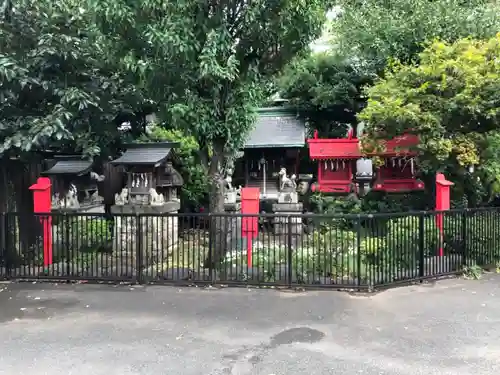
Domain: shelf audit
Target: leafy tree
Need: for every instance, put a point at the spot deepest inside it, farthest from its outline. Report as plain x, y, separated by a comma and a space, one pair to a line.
327, 88
206, 64
55, 89
375, 31
364, 36
451, 99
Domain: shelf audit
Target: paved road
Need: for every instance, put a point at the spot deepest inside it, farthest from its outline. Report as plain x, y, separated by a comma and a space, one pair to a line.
447, 328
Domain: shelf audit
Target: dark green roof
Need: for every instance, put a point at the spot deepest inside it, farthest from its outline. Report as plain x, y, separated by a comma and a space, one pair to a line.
277, 127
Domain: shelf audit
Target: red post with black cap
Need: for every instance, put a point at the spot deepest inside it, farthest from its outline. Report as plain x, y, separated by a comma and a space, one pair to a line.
249, 224
42, 199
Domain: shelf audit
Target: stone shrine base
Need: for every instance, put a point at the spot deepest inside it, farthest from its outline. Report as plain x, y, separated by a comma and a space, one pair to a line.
154, 235
281, 223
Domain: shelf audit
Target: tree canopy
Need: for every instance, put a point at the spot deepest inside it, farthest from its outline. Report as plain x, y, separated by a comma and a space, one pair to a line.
206, 64
55, 89
327, 88
367, 34
451, 99
375, 31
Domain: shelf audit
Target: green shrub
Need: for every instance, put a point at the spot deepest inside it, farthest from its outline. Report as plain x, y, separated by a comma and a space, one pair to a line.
482, 236
90, 234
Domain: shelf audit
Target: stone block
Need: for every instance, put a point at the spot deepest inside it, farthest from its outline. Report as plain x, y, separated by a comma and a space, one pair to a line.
286, 219
232, 207
292, 208
288, 197
230, 197
157, 235
296, 229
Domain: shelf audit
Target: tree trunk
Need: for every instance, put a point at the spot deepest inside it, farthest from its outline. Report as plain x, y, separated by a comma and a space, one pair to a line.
217, 239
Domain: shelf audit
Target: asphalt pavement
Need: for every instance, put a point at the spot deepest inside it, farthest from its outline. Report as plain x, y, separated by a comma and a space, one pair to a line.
450, 327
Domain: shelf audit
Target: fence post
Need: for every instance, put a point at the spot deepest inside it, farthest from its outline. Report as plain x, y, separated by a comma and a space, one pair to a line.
358, 250
211, 227
138, 248
421, 245
465, 253
4, 241
289, 251
67, 246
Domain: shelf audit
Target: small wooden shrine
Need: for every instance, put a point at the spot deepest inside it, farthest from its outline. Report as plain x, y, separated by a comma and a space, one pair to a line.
151, 179
342, 167
74, 183
151, 187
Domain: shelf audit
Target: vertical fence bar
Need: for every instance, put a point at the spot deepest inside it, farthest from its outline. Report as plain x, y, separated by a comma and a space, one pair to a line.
289, 250
210, 222
6, 243
66, 245
3, 242
421, 245
138, 248
464, 237
358, 249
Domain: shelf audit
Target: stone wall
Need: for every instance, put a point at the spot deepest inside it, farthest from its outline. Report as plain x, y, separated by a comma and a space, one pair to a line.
151, 226
157, 235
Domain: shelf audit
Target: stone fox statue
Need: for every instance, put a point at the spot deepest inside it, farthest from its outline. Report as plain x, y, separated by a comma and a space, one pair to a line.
285, 181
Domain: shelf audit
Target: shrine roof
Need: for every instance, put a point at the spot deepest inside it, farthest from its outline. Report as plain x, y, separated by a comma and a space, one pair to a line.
344, 148
145, 154
401, 145
74, 165
333, 148
277, 127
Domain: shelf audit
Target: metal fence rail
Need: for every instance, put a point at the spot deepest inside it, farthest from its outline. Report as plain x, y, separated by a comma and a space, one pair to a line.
343, 251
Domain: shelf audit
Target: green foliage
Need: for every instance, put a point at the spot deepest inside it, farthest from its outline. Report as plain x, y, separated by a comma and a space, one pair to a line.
482, 232
365, 35
89, 234
377, 31
207, 65
372, 202
473, 272
195, 188
451, 99
327, 88
56, 90
382, 252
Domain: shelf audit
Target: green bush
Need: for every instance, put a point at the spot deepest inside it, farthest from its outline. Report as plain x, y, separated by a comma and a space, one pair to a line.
385, 253
482, 236
90, 234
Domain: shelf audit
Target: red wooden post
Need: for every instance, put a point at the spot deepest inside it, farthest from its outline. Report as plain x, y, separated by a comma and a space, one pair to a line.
42, 198
442, 203
250, 225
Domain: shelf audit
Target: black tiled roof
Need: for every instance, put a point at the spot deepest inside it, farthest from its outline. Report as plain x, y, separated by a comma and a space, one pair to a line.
69, 165
145, 154
277, 127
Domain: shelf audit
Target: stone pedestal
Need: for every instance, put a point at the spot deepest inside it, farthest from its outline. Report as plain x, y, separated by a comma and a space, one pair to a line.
288, 197
281, 223
155, 234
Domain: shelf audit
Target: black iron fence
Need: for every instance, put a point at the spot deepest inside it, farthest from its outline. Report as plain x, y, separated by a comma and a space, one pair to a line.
343, 251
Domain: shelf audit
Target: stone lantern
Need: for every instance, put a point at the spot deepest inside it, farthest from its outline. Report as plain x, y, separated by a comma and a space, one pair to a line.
75, 184
151, 189
364, 175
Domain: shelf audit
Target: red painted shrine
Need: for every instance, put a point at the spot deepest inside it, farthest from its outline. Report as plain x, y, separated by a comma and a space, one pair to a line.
341, 165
